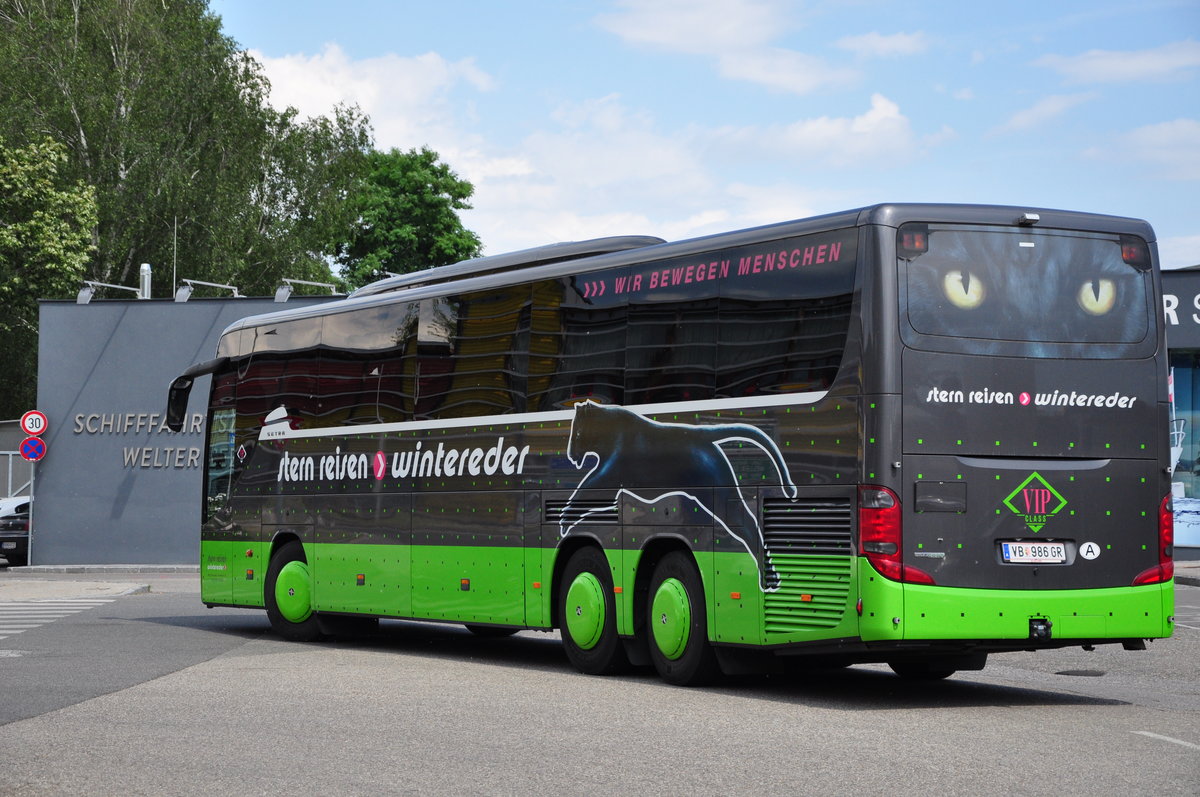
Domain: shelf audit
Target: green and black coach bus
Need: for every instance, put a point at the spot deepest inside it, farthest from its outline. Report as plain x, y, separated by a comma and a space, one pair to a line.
910, 433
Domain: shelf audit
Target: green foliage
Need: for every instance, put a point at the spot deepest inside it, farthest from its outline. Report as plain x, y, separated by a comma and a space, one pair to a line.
407, 217
167, 152
169, 121
45, 240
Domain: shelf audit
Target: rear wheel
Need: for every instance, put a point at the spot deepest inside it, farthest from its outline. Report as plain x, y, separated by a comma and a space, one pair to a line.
288, 595
587, 614
677, 619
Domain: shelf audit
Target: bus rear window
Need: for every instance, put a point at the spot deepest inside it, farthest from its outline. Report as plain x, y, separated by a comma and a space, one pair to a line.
1024, 285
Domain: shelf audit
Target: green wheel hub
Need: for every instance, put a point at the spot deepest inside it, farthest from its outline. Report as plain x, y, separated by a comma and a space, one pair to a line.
671, 618
585, 610
293, 592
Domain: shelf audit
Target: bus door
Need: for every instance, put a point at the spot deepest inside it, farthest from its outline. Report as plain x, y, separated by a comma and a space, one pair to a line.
217, 565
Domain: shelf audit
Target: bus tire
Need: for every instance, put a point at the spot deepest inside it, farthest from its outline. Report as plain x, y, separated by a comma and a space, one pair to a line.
678, 623
288, 595
587, 614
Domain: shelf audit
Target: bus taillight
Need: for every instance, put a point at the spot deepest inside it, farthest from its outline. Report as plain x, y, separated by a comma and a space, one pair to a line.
1165, 569
879, 535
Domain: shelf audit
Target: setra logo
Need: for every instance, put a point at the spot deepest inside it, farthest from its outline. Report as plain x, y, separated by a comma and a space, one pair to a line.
1036, 501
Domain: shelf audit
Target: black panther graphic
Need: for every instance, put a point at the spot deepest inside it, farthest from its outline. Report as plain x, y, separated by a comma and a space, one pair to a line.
630, 454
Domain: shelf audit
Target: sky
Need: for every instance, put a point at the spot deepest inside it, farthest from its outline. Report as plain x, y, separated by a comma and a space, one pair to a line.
578, 119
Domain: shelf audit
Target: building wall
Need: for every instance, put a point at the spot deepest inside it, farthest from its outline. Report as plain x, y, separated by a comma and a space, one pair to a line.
116, 486
1181, 311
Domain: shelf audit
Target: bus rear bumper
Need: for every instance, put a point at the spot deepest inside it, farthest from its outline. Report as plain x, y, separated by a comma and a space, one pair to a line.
1043, 618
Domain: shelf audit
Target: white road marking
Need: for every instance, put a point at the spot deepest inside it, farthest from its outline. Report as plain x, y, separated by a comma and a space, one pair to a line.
19, 616
1160, 737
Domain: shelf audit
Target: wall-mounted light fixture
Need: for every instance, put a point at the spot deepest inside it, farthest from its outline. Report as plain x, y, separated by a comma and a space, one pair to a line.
89, 290
284, 291
185, 291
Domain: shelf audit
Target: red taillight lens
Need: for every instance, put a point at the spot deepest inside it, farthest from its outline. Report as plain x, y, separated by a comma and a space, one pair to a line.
1135, 252
1165, 569
879, 535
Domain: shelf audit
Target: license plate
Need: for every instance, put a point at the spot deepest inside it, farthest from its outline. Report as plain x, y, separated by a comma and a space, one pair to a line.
9, 546
1035, 553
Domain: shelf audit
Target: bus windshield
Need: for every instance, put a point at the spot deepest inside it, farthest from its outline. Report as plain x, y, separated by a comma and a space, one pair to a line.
1018, 284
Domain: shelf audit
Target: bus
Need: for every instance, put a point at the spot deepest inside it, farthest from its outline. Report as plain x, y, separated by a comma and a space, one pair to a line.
912, 434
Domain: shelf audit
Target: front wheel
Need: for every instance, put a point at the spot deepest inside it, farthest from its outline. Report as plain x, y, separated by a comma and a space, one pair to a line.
587, 614
678, 623
288, 595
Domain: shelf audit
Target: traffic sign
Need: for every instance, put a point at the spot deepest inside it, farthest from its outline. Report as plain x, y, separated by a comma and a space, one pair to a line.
33, 449
33, 423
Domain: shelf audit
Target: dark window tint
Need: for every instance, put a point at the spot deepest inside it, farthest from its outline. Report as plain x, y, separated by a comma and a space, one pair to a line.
1025, 285
472, 354
672, 352
782, 346
577, 350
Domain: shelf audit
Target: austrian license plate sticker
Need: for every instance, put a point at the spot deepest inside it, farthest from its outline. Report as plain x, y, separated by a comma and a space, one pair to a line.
1034, 553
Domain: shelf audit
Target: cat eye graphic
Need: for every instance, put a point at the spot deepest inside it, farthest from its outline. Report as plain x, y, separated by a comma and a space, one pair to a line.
963, 289
1097, 297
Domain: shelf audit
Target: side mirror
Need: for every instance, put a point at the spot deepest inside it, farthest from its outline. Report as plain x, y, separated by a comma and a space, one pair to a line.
181, 388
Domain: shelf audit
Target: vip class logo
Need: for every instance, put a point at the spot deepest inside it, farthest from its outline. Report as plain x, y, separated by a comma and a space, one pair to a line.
1036, 501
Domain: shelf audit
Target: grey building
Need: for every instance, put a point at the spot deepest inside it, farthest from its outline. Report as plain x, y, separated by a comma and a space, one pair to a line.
116, 486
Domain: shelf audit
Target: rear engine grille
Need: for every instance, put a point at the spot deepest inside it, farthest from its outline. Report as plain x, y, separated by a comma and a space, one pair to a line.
810, 545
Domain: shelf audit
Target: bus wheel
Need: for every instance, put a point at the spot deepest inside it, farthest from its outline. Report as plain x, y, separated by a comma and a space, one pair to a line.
922, 669
288, 595
678, 623
587, 614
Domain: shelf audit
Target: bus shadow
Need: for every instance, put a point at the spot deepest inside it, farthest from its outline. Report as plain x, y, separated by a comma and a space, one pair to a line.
857, 688
868, 688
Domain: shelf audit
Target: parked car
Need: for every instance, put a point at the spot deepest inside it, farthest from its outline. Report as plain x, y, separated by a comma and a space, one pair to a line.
14, 530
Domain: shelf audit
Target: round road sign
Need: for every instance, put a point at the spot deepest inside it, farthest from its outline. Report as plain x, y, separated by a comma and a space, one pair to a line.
33, 423
33, 449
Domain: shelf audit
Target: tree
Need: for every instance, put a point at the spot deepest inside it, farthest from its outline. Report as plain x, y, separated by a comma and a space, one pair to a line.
46, 223
407, 217
170, 122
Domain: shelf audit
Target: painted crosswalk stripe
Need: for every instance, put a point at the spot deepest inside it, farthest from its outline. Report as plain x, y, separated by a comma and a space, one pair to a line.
19, 616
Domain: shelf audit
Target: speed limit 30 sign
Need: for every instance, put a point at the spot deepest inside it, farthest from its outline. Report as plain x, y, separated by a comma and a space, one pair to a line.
33, 423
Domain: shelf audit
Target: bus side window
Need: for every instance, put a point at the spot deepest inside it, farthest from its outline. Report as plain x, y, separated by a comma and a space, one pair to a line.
672, 352
363, 374
787, 346
577, 350
487, 354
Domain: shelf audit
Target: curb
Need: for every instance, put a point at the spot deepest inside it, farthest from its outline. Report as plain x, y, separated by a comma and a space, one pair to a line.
106, 569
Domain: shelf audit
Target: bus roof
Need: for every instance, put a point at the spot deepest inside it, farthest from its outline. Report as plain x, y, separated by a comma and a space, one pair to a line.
564, 259
525, 258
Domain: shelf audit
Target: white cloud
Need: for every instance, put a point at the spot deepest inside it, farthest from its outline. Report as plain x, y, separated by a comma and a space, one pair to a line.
700, 27
786, 70
879, 133
1179, 252
1173, 146
877, 45
735, 34
407, 98
1043, 111
1130, 66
